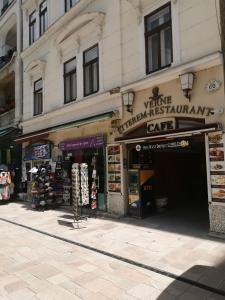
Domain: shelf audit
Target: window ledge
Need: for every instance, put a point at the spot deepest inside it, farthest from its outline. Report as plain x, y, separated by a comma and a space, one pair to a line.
173, 72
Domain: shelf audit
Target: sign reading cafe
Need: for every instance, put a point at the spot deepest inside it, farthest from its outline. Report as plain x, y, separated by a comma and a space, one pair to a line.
159, 105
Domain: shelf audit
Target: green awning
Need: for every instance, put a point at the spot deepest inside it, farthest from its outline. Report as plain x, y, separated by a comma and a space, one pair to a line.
85, 121
4, 132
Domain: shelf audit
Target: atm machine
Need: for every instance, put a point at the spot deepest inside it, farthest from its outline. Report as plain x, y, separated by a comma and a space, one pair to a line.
140, 192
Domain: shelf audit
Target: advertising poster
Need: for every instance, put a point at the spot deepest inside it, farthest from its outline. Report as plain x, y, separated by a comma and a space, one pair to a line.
217, 165
114, 169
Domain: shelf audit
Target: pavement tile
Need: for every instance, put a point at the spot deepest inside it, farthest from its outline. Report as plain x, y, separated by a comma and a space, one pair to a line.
23, 294
43, 271
97, 284
15, 286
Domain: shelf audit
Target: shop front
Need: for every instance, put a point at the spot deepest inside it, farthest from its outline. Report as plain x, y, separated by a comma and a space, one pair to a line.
173, 156
89, 152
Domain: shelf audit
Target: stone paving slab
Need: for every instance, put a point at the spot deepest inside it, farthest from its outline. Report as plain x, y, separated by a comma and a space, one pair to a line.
195, 256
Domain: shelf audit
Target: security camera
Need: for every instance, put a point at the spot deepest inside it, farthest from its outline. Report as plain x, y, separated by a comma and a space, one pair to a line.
217, 111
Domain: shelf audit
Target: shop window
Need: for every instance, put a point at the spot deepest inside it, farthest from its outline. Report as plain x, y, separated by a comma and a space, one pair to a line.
32, 28
70, 81
38, 97
91, 71
158, 39
70, 3
43, 16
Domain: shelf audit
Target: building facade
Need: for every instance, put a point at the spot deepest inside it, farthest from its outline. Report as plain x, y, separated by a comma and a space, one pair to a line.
135, 89
10, 82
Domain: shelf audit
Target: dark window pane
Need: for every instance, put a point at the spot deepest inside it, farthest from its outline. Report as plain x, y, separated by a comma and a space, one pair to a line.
158, 19
38, 85
153, 51
166, 46
95, 76
70, 66
67, 89
91, 54
43, 5
74, 86
70, 80
87, 72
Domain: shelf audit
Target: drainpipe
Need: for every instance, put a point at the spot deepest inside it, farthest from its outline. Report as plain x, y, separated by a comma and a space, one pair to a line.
19, 108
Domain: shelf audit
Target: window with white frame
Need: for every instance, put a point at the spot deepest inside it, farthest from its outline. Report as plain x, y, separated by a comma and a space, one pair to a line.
38, 97
158, 39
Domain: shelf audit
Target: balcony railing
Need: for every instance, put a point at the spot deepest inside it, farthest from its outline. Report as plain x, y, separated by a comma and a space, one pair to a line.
5, 7
6, 58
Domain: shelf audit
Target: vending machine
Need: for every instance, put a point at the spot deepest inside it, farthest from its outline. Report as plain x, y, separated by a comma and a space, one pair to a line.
140, 192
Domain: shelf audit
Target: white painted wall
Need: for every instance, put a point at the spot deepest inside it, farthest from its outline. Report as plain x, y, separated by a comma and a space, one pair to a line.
121, 48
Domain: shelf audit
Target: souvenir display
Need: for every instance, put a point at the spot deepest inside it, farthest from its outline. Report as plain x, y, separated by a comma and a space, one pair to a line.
94, 185
84, 184
114, 168
5, 182
76, 190
44, 191
58, 184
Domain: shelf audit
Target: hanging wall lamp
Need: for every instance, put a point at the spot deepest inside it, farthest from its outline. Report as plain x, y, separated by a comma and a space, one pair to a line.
186, 81
128, 100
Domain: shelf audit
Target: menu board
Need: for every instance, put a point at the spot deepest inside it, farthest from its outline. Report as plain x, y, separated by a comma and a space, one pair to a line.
114, 168
217, 165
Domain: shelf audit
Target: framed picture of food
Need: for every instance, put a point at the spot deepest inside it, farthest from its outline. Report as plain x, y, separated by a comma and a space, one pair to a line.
111, 187
218, 194
114, 168
218, 180
217, 166
216, 154
111, 177
215, 137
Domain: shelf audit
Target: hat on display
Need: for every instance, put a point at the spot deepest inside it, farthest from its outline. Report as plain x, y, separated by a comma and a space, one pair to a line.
33, 170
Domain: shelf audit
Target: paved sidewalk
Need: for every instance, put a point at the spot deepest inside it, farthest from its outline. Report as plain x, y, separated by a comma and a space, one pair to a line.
181, 251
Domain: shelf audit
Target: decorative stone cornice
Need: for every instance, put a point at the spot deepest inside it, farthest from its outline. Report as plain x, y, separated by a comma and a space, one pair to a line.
79, 23
35, 67
136, 4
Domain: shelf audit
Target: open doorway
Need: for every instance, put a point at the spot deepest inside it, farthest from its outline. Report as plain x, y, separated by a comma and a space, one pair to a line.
179, 180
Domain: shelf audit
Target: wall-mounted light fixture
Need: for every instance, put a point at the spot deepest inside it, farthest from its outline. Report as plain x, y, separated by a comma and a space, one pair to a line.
128, 100
186, 81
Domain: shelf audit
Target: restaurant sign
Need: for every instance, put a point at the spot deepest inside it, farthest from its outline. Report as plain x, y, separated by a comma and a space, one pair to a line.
82, 143
160, 125
159, 105
163, 146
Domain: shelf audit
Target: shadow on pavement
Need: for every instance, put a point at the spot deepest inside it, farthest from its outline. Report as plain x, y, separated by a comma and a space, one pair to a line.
208, 283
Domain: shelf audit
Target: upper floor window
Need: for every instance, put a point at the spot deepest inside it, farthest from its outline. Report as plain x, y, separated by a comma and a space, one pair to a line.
5, 5
158, 39
70, 3
70, 80
43, 17
38, 97
91, 71
32, 28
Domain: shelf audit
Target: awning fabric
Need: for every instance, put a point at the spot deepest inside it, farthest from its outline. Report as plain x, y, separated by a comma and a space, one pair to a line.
7, 133
37, 135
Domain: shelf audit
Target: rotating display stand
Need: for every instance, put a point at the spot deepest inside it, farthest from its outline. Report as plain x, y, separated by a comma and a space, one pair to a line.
80, 190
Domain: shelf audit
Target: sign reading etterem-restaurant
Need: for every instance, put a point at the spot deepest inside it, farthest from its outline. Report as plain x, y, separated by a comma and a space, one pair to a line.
159, 106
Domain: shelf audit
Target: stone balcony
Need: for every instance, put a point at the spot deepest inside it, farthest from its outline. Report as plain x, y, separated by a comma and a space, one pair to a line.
7, 117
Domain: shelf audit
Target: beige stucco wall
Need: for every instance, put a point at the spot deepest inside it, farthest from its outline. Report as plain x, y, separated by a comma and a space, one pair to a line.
199, 97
